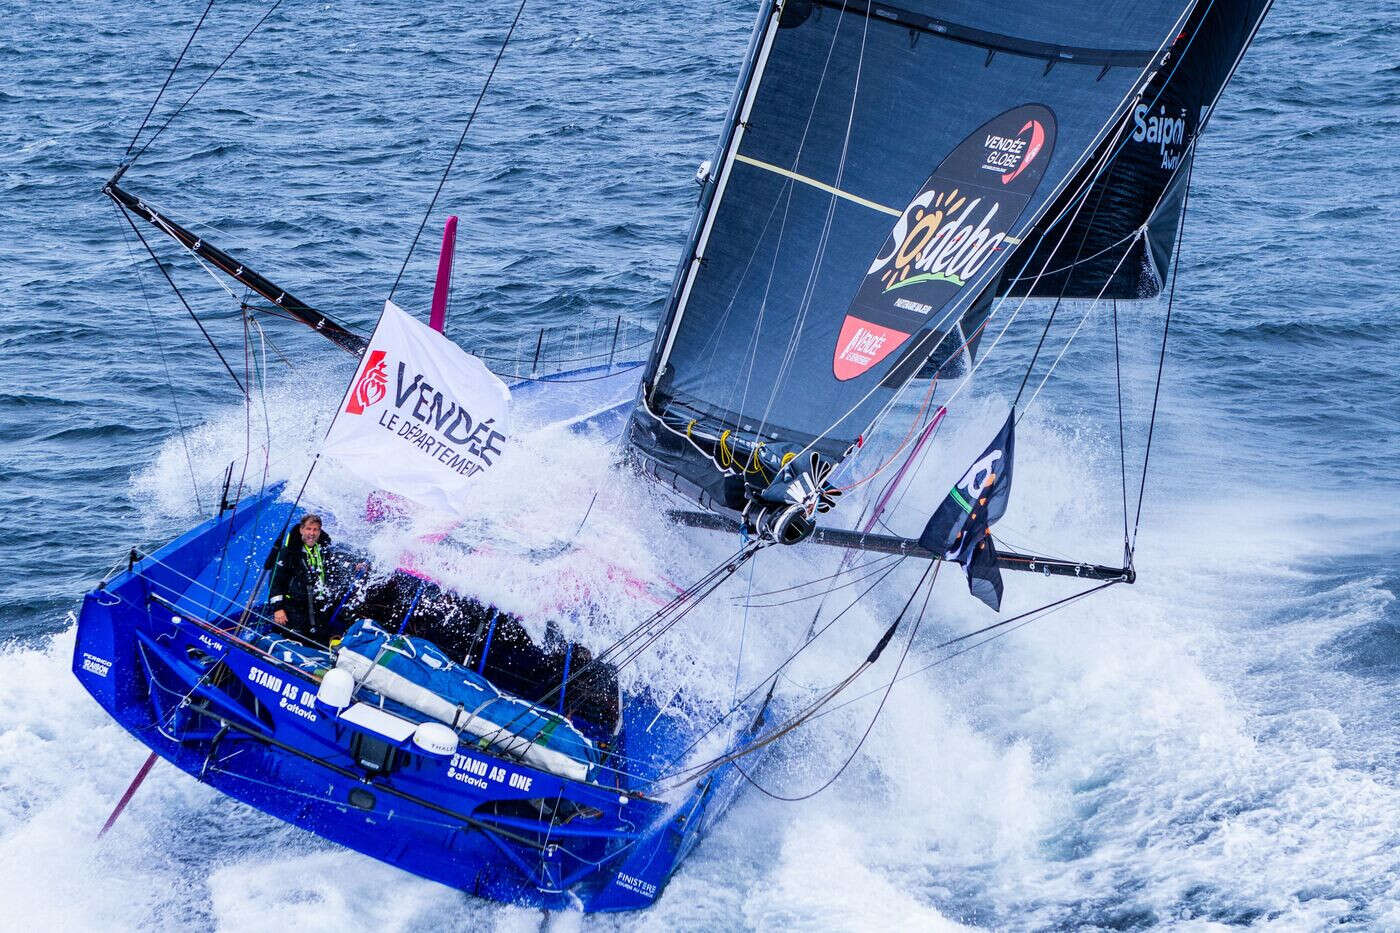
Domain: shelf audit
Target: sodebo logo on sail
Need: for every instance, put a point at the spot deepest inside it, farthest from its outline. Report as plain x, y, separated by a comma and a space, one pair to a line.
939, 240
945, 237
953, 229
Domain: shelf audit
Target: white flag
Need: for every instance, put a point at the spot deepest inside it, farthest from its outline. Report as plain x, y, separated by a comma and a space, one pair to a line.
421, 417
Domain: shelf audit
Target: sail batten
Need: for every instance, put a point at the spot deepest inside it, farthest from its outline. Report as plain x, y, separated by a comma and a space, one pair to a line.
996, 42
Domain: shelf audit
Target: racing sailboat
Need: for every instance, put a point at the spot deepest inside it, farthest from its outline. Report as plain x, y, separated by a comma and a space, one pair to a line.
893, 184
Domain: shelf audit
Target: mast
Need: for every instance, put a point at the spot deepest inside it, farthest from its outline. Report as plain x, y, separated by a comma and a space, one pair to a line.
235, 269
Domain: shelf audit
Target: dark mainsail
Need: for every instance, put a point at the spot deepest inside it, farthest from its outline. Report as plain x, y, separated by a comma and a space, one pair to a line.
1145, 182
881, 164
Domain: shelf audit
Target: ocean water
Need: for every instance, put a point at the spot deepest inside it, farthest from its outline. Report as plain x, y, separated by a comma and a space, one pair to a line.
1215, 746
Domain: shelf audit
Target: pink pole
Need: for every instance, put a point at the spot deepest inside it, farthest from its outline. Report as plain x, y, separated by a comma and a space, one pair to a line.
884, 500
126, 797
438, 320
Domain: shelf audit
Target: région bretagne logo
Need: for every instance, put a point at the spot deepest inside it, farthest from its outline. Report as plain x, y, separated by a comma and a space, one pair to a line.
372, 385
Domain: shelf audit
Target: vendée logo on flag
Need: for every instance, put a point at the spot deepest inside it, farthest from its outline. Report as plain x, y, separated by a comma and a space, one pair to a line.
436, 415
372, 385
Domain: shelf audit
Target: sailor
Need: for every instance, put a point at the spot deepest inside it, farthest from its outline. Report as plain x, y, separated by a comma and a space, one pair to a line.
307, 578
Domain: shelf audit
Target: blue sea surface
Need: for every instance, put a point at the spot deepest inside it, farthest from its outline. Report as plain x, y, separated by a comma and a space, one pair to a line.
1217, 745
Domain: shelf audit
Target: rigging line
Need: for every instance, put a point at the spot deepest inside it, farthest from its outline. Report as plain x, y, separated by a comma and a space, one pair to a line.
458, 148
287, 522
1082, 260
831, 576
632, 643
236, 242
1162, 355
180, 109
268, 341
873, 719
917, 424
242, 476
165, 364
877, 508
159, 221
262, 394
1122, 443
699, 770
1078, 199
930, 429
929, 426
1069, 278
1004, 622
809, 289
559, 359
743, 632
1044, 332
1045, 611
173, 68
825, 592
586, 512
786, 195
556, 381
178, 294
1110, 153
248, 374
1077, 328
986, 277
772, 678
710, 347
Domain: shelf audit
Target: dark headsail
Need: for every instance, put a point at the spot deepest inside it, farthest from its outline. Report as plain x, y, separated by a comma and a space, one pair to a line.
1145, 182
881, 164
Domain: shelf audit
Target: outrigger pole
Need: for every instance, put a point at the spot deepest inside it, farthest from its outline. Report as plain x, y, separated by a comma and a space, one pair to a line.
285, 301
909, 547
126, 797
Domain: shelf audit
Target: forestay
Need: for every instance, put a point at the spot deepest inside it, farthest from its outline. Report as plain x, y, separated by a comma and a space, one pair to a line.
882, 164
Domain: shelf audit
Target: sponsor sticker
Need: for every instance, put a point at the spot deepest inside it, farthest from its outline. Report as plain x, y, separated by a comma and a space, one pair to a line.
95, 665
421, 416
481, 774
636, 885
1166, 130
959, 221
371, 386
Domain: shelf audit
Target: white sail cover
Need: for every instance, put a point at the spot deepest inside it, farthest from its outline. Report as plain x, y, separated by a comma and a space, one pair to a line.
421, 417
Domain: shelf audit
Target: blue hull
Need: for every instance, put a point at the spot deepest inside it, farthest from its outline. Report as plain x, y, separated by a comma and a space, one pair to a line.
159, 647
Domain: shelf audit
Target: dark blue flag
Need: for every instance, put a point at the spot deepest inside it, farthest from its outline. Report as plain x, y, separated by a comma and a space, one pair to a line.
960, 528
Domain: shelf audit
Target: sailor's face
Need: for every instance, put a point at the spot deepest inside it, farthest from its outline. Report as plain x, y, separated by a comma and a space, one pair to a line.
310, 532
